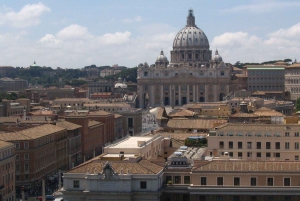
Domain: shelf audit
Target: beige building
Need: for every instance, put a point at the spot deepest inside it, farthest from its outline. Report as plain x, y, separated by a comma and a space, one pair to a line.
9, 84
148, 147
192, 75
99, 180
292, 80
256, 142
7, 171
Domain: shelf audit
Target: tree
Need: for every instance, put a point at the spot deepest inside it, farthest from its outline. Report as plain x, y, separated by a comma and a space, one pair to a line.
287, 60
298, 105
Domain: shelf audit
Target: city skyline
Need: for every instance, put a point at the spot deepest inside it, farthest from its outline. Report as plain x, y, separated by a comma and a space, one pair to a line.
74, 35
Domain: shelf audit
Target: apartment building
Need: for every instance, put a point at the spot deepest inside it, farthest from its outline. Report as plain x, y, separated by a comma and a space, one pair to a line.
292, 80
9, 84
7, 171
40, 151
255, 142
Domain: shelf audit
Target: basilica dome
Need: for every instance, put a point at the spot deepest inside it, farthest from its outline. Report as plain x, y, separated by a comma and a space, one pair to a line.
190, 35
217, 57
162, 57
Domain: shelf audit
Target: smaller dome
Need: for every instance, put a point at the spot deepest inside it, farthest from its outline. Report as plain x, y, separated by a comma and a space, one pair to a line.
121, 85
217, 57
162, 57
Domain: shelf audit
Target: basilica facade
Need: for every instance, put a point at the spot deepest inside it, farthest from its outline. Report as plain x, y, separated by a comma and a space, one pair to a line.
193, 74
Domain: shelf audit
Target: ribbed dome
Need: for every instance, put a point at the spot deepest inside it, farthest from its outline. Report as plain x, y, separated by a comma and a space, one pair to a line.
162, 57
190, 35
217, 57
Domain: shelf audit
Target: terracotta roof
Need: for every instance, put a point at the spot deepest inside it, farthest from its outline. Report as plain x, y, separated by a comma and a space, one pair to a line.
250, 166
257, 128
117, 116
99, 113
266, 112
245, 115
182, 113
4, 144
195, 123
31, 133
68, 125
93, 123
141, 167
295, 65
161, 113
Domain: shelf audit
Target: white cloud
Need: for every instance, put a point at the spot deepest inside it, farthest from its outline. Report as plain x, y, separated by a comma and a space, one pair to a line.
29, 15
74, 32
282, 44
115, 38
262, 7
131, 20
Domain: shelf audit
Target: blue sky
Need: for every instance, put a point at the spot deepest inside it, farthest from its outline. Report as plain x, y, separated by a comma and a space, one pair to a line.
74, 34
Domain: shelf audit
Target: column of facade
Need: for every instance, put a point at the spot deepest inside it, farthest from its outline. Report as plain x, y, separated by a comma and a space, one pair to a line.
194, 93
152, 95
197, 92
170, 95
179, 94
162, 94
188, 93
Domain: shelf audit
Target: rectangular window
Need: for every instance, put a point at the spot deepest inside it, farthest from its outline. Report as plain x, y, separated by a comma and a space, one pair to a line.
268, 154
240, 145
287, 181
17, 157
253, 181
187, 179
230, 145
277, 145
249, 145
297, 134
143, 185
258, 145
17, 167
249, 154
26, 167
169, 179
130, 122
287, 145
222, 73
277, 155
236, 181
26, 145
287, 134
270, 181
203, 181
220, 181
240, 154
75, 184
221, 145
258, 154
296, 157
17, 145
177, 179
26, 156
296, 145
268, 145
145, 73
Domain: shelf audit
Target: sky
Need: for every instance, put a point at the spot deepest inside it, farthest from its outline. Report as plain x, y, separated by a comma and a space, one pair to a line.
74, 34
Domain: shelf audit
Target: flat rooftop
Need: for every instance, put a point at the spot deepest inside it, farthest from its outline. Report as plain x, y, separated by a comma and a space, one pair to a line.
131, 142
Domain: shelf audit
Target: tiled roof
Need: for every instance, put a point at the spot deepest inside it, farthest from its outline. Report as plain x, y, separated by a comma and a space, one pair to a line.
250, 166
266, 112
257, 128
195, 123
295, 65
117, 116
99, 113
31, 133
93, 123
141, 167
161, 112
182, 113
68, 125
245, 115
4, 144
